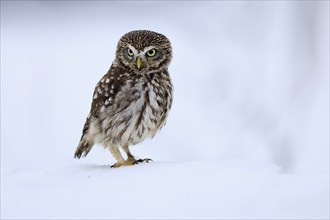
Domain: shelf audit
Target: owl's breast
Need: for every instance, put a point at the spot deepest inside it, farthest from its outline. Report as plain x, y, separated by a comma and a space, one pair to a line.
141, 110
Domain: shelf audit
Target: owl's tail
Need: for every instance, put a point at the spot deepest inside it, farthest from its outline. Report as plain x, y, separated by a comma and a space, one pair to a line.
83, 149
86, 143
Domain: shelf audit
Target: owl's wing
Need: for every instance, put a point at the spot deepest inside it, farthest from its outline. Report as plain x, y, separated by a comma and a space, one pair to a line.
104, 93
106, 89
103, 97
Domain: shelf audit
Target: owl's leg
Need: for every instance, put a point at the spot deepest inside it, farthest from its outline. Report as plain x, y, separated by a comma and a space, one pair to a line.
131, 159
120, 160
130, 156
117, 155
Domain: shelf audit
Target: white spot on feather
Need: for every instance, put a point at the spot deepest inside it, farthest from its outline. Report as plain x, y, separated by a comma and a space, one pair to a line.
153, 99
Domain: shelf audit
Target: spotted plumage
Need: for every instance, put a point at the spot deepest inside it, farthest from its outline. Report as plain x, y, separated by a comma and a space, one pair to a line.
132, 101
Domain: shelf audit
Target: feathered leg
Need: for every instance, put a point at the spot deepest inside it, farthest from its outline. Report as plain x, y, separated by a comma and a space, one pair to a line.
117, 155
131, 158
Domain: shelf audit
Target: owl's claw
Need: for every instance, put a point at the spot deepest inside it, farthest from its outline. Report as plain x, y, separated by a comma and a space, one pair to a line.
130, 162
116, 165
122, 163
147, 160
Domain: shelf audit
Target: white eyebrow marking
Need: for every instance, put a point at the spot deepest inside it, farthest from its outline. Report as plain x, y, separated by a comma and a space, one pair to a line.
133, 49
142, 53
148, 48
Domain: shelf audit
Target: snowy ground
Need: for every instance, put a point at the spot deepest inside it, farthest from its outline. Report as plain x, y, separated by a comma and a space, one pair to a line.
247, 137
196, 189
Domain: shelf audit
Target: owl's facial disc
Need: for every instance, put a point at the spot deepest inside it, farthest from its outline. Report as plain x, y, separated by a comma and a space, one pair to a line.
141, 60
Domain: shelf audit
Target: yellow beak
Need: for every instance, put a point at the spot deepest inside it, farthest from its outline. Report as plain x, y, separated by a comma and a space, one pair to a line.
139, 62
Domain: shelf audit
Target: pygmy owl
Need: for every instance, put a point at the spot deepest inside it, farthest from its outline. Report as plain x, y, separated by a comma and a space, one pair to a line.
132, 100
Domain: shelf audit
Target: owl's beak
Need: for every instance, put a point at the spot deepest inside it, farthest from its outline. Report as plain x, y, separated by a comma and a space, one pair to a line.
139, 62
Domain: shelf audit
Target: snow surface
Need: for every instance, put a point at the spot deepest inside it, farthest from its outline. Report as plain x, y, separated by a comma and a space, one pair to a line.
195, 189
247, 137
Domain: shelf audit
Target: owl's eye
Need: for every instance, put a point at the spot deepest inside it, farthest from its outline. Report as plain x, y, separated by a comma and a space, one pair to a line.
130, 52
151, 53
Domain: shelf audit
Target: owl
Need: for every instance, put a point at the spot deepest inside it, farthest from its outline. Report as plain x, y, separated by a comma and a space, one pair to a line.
132, 100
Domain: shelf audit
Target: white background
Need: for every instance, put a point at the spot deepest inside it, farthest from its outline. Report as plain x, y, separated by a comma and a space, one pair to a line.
251, 85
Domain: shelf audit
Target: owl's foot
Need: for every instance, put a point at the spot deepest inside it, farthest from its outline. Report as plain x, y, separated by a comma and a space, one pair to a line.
130, 162
116, 165
123, 163
147, 160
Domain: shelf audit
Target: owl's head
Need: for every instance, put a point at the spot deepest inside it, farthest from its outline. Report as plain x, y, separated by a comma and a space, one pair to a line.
144, 51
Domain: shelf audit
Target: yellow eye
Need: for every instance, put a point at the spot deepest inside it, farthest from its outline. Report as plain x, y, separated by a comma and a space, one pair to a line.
130, 52
151, 53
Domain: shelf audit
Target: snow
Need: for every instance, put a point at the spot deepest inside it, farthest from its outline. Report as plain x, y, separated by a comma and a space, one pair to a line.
195, 189
247, 136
